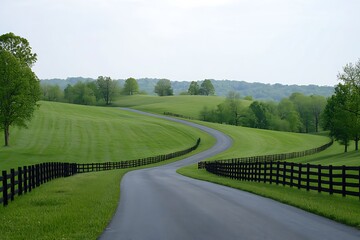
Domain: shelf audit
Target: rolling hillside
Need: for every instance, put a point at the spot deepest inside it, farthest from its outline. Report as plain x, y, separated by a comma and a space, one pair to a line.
74, 133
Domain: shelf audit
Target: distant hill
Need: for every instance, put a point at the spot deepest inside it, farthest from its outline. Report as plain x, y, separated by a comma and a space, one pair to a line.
260, 91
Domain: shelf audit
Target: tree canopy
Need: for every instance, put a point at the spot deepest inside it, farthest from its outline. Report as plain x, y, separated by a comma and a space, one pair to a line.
107, 88
19, 47
342, 112
193, 88
207, 88
131, 86
163, 88
19, 86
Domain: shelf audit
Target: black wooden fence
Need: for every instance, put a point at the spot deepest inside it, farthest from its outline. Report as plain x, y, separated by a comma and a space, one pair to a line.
343, 180
274, 157
23, 179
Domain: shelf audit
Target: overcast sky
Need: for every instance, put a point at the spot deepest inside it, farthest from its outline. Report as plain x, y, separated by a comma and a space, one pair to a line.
270, 41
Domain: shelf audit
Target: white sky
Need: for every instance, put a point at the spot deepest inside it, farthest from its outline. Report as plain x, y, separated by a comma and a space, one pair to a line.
269, 41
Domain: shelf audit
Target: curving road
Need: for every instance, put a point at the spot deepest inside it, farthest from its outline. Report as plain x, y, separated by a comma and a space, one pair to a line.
157, 203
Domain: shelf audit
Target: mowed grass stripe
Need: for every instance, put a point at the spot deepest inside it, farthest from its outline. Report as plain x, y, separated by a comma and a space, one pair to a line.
255, 142
73, 133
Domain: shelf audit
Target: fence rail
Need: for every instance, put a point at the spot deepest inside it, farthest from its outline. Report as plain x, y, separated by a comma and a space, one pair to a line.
343, 180
24, 179
274, 157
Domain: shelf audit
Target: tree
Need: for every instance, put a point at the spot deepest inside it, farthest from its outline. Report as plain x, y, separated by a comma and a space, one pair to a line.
287, 112
259, 110
342, 115
233, 105
336, 119
107, 88
163, 88
317, 105
19, 47
131, 86
302, 105
207, 88
19, 91
194, 88
51, 92
69, 94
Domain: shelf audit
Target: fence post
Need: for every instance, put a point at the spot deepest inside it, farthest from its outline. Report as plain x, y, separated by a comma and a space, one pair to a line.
291, 174
264, 171
319, 178
271, 171
277, 172
37, 175
5, 188
331, 187
20, 181
359, 182
25, 179
33, 176
343, 176
284, 174
307, 177
299, 176
12, 184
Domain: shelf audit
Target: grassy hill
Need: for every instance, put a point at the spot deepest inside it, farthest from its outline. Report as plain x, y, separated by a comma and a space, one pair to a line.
185, 105
74, 133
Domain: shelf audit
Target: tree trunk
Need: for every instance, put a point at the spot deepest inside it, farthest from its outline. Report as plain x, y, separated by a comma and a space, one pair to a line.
357, 142
7, 135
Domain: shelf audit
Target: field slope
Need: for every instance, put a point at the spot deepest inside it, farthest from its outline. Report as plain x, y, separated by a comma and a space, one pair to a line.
74, 133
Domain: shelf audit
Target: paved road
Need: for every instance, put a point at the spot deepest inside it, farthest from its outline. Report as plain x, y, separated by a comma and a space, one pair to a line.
158, 203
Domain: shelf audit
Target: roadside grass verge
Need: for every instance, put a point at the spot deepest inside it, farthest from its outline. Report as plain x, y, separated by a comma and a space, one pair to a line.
76, 207
341, 209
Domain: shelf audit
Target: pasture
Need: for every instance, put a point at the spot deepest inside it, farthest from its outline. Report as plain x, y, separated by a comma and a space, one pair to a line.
84, 134
185, 105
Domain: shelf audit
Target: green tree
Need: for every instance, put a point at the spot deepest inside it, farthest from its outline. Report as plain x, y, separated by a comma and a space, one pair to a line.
19, 47
302, 105
288, 113
83, 94
131, 86
317, 106
19, 92
51, 92
259, 110
163, 88
234, 107
194, 88
344, 106
69, 94
338, 120
107, 88
207, 88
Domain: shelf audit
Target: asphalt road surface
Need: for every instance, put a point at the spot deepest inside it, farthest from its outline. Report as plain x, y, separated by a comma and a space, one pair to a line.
157, 203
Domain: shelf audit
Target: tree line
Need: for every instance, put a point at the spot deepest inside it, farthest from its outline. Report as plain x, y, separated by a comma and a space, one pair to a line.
104, 90
298, 113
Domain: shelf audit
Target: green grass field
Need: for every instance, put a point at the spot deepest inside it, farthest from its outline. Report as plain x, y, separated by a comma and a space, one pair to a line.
189, 106
74, 133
